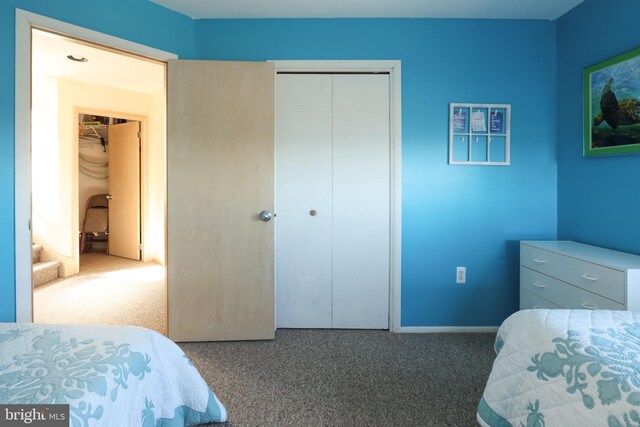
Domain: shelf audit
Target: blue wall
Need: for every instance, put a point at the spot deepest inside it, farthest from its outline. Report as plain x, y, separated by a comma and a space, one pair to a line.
139, 21
452, 215
598, 198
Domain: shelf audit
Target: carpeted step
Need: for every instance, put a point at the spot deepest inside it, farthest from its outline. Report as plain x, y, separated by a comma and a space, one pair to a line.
36, 250
44, 272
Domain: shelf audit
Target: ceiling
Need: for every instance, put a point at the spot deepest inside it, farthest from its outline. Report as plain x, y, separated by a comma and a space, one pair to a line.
103, 67
130, 73
477, 9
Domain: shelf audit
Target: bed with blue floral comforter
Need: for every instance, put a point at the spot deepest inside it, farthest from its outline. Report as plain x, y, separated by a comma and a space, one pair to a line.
565, 368
109, 375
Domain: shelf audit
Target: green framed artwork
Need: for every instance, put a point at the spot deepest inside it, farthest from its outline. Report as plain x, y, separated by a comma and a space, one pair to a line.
612, 106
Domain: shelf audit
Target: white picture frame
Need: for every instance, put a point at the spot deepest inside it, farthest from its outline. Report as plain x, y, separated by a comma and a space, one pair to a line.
479, 134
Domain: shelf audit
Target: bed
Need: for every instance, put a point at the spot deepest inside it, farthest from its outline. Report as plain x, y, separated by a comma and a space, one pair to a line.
565, 368
108, 375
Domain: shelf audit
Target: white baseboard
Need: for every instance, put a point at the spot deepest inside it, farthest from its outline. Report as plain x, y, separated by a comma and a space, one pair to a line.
441, 329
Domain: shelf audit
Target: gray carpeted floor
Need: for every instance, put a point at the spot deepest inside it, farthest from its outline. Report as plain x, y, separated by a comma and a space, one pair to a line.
348, 378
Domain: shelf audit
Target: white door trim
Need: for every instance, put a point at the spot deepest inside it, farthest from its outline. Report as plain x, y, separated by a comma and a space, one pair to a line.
24, 22
393, 67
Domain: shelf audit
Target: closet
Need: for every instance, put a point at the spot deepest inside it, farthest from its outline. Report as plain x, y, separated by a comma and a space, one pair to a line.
109, 163
332, 200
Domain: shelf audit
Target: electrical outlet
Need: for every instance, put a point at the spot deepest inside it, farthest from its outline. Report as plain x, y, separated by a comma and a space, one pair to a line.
461, 274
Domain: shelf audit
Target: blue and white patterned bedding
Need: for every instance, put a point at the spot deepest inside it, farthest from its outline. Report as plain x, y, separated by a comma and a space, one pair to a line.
565, 368
109, 375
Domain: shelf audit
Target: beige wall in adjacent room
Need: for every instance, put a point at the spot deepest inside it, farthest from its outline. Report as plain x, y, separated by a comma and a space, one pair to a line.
56, 201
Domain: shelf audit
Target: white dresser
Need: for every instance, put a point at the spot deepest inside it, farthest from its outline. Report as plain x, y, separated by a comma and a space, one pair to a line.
564, 274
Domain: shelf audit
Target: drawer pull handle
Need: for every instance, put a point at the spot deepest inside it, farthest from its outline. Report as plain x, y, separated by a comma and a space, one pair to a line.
539, 285
589, 307
590, 278
535, 307
539, 261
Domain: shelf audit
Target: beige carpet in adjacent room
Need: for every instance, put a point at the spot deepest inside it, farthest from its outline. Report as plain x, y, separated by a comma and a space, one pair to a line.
108, 290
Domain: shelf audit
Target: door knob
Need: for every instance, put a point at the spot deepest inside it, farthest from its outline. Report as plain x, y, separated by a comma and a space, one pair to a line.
313, 212
108, 197
265, 216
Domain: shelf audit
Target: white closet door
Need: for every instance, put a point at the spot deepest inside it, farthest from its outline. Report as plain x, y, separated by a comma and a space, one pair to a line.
303, 184
361, 201
332, 156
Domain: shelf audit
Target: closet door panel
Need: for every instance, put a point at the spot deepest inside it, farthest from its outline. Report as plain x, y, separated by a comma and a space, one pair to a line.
303, 184
124, 187
361, 201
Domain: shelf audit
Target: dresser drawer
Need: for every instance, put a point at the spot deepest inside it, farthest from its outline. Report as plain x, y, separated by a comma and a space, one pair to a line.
529, 300
595, 278
561, 293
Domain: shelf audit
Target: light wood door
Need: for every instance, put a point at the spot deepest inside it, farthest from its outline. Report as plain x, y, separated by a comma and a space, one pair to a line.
333, 149
124, 188
303, 164
220, 158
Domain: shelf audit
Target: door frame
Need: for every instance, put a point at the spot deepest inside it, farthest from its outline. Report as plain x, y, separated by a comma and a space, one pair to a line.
25, 21
393, 67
